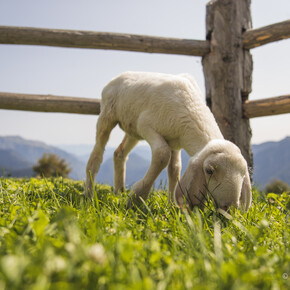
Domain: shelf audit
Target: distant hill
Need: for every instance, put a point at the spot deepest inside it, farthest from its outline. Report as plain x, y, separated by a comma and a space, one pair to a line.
83, 151
18, 155
137, 165
272, 161
11, 159
136, 168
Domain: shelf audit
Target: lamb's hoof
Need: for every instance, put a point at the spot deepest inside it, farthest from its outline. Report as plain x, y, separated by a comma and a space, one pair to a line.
130, 202
133, 201
88, 193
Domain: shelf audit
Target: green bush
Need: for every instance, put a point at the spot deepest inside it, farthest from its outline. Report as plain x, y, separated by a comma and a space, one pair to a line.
277, 186
50, 165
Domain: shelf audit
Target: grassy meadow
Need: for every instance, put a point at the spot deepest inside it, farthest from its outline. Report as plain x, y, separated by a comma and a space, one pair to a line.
52, 237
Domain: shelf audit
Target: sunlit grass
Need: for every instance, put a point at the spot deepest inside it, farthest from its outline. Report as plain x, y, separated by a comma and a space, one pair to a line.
51, 237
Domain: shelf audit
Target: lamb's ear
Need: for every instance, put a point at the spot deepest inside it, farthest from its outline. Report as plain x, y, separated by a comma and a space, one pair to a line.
191, 184
246, 193
183, 187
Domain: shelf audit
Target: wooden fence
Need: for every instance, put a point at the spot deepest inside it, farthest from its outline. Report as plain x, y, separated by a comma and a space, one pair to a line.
226, 60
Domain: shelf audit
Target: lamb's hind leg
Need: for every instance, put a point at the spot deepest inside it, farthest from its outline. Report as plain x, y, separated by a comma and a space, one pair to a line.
120, 158
160, 158
173, 170
104, 128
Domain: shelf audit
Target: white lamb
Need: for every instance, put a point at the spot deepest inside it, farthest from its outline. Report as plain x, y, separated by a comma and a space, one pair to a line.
169, 112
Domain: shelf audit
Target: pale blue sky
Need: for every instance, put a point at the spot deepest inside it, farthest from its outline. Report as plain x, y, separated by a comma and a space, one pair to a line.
83, 72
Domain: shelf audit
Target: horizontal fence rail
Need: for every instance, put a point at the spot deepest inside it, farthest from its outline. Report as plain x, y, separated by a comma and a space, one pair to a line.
267, 107
132, 42
87, 106
101, 40
49, 103
256, 37
128, 42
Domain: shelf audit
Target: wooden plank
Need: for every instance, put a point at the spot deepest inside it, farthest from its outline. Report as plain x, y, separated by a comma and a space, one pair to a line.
256, 37
49, 103
267, 107
228, 70
101, 40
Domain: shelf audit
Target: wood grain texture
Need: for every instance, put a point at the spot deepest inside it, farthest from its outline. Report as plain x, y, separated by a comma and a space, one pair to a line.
49, 103
101, 40
267, 107
256, 37
228, 70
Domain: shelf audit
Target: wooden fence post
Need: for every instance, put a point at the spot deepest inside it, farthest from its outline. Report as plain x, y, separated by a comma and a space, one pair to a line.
228, 69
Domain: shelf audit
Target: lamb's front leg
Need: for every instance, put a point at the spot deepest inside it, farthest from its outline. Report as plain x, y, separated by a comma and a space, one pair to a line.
160, 158
173, 171
104, 128
120, 158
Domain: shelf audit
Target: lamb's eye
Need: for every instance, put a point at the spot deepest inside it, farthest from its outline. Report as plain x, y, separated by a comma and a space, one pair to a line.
209, 171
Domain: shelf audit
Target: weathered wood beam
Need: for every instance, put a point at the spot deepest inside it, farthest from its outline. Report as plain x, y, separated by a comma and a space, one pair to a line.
267, 107
101, 40
256, 37
87, 106
228, 69
49, 103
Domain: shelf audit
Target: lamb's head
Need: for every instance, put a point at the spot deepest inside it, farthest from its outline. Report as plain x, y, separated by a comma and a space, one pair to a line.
220, 172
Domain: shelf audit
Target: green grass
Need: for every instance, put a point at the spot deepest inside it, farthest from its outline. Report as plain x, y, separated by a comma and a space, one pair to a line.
51, 237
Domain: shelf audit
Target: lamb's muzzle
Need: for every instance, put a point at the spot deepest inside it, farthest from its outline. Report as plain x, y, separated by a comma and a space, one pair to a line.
170, 114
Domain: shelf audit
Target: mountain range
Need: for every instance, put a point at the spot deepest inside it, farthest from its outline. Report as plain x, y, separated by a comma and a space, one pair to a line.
271, 161
18, 155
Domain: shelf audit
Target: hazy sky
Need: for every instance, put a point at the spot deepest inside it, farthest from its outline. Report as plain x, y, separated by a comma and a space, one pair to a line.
84, 72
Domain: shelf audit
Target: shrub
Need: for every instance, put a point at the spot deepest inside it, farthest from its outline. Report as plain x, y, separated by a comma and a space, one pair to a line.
50, 165
277, 186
